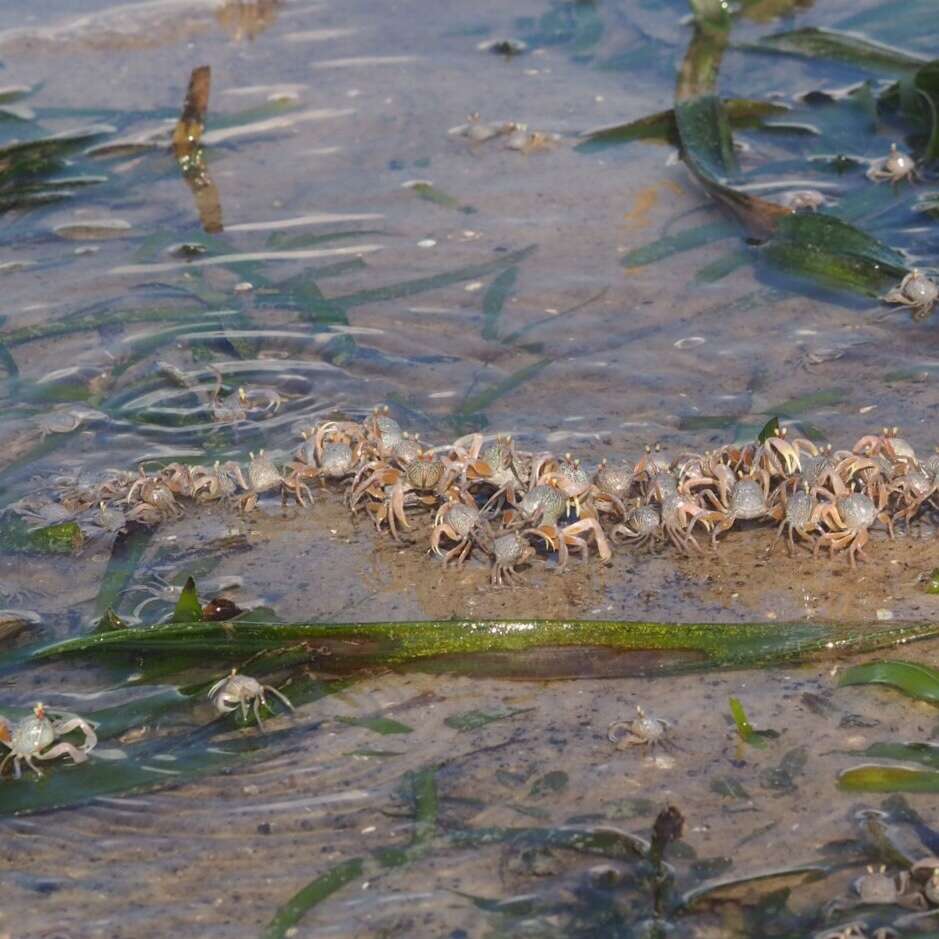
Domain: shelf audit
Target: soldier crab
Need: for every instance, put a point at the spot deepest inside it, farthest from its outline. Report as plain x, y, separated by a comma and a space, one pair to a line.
848, 520
642, 730
33, 738
508, 551
879, 887
458, 521
894, 167
917, 291
263, 476
236, 690
799, 514
808, 199
389, 489
543, 507
745, 500
643, 526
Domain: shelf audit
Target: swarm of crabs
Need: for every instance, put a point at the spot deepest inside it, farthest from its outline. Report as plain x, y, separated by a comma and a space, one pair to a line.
489, 498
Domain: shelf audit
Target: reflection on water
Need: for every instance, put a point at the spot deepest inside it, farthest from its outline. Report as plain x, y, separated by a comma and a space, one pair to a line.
335, 246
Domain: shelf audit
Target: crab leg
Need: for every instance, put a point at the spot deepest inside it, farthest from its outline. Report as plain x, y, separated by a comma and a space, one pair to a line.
61, 749
76, 723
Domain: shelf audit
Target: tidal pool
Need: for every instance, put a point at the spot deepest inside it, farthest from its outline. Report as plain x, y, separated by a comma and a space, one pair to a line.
404, 204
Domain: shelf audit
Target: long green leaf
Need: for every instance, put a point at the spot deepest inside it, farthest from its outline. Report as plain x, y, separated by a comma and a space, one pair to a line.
312, 894
494, 300
742, 113
815, 43
455, 645
686, 240
423, 790
479, 402
409, 288
917, 681
126, 551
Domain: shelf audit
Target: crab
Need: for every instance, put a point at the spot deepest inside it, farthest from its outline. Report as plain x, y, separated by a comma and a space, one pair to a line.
508, 551
798, 516
34, 738
494, 464
879, 887
642, 527
821, 472
642, 730
570, 478
330, 452
809, 199
151, 499
893, 168
914, 485
679, 516
848, 520
854, 930
543, 507
178, 477
887, 442
234, 691
263, 476
660, 486
316, 439
383, 433
874, 475
391, 489
612, 485
219, 482
747, 499
652, 462
562, 538
925, 872
777, 454
59, 422
456, 520
917, 291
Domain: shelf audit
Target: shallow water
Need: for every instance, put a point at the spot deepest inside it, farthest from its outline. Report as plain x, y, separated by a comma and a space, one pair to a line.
494, 299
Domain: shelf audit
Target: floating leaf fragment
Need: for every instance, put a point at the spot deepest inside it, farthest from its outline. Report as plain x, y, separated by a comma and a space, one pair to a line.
748, 734
473, 720
379, 725
888, 779
188, 608
770, 429
555, 781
